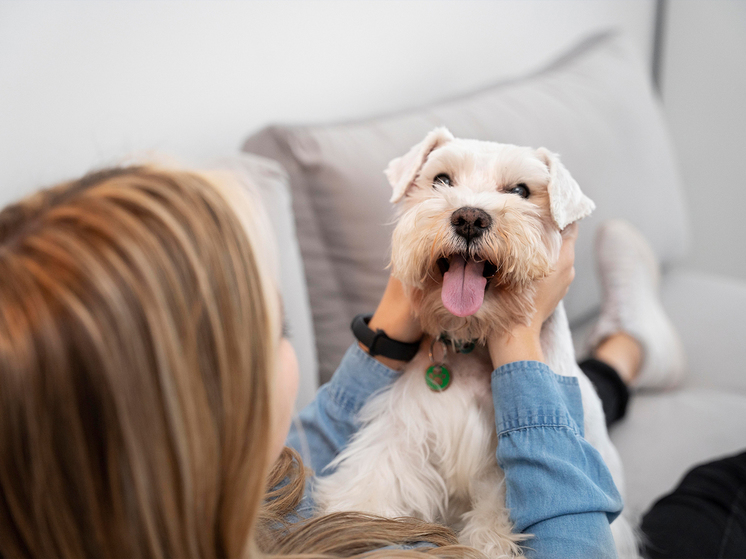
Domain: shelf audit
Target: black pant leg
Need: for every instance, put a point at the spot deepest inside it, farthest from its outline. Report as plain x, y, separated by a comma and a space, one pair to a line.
610, 387
704, 517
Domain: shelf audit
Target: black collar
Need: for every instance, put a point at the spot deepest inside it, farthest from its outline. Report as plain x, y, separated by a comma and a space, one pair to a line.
459, 346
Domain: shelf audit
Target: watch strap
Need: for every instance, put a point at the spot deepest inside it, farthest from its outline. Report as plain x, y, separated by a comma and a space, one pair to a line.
378, 343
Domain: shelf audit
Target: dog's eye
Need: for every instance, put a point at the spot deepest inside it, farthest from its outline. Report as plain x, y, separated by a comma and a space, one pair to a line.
442, 179
520, 189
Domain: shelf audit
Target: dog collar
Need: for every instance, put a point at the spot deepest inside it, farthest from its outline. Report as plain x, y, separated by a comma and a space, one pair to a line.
378, 343
460, 347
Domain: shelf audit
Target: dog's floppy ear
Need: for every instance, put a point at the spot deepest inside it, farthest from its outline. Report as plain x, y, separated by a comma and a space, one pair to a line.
566, 201
403, 170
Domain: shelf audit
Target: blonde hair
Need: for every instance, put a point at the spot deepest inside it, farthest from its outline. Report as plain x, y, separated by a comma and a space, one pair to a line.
138, 335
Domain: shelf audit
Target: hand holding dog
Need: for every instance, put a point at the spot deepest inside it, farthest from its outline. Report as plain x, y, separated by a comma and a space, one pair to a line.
396, 317
522, 342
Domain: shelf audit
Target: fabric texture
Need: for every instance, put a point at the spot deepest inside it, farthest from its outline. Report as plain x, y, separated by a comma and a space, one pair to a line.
558, 486
594, 106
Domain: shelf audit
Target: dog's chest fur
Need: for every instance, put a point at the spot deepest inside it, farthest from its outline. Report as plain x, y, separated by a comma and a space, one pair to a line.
460, 422
426, 449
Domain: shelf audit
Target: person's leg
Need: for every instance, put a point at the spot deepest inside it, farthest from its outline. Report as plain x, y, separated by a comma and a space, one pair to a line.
623, 353
629, 276
704, 517
610, 387
613, 365
633, 334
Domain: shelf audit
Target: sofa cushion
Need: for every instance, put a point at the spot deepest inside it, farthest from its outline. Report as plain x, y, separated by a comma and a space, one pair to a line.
594, 106
709, 312
666, 434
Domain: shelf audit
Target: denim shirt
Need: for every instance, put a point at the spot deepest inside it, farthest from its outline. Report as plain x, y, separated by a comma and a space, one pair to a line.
558, 488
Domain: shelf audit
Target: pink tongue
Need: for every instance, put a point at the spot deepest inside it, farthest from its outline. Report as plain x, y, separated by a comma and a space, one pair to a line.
463, 286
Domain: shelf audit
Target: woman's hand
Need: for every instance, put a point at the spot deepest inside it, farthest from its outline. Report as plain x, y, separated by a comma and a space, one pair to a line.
522, 342
395, 316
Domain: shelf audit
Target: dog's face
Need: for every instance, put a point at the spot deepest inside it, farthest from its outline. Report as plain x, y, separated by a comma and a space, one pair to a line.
479, 223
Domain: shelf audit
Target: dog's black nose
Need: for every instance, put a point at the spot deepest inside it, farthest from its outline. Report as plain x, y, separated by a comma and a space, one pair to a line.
470, 223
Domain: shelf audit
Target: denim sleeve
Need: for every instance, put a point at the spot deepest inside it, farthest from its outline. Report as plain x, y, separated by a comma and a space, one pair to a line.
558, 487
326, 425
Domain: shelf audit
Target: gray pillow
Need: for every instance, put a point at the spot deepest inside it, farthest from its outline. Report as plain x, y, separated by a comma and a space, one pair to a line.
594, 106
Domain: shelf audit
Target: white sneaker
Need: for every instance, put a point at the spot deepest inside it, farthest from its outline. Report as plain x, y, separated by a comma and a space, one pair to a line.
630, 279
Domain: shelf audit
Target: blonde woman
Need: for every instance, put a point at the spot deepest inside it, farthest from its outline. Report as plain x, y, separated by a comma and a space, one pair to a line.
146, 386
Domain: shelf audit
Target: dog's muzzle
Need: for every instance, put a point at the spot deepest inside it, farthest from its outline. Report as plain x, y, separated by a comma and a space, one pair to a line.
466, 274
470, 223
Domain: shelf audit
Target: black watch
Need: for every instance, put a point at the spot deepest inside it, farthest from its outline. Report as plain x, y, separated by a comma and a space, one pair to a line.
378, 343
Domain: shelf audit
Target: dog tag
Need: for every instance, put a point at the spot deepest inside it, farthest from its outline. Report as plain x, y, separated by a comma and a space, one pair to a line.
437, 377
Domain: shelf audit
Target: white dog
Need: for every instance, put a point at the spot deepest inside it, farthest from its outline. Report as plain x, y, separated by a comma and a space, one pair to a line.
431, 454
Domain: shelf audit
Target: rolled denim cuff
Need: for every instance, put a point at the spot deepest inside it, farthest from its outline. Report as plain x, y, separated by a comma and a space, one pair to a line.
529, 394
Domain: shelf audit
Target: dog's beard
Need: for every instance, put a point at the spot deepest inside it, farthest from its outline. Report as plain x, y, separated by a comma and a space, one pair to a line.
468, 291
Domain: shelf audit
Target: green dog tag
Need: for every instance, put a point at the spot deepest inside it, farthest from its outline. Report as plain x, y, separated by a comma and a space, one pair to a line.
437, 377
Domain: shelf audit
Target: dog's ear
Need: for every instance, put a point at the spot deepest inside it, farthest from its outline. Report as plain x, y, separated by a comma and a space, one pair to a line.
403, 170
566, 201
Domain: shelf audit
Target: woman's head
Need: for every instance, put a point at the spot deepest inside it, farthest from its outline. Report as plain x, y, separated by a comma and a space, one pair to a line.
145, 387
139, 334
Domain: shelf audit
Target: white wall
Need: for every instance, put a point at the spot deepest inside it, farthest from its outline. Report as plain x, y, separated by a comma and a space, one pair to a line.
85, 83
704, 92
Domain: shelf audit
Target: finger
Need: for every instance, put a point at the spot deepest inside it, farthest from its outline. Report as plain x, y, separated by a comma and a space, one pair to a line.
567, 255
570, 232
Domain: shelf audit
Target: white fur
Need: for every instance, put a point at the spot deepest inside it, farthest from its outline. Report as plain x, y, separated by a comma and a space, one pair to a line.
432, 455
568, 203
402, 171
